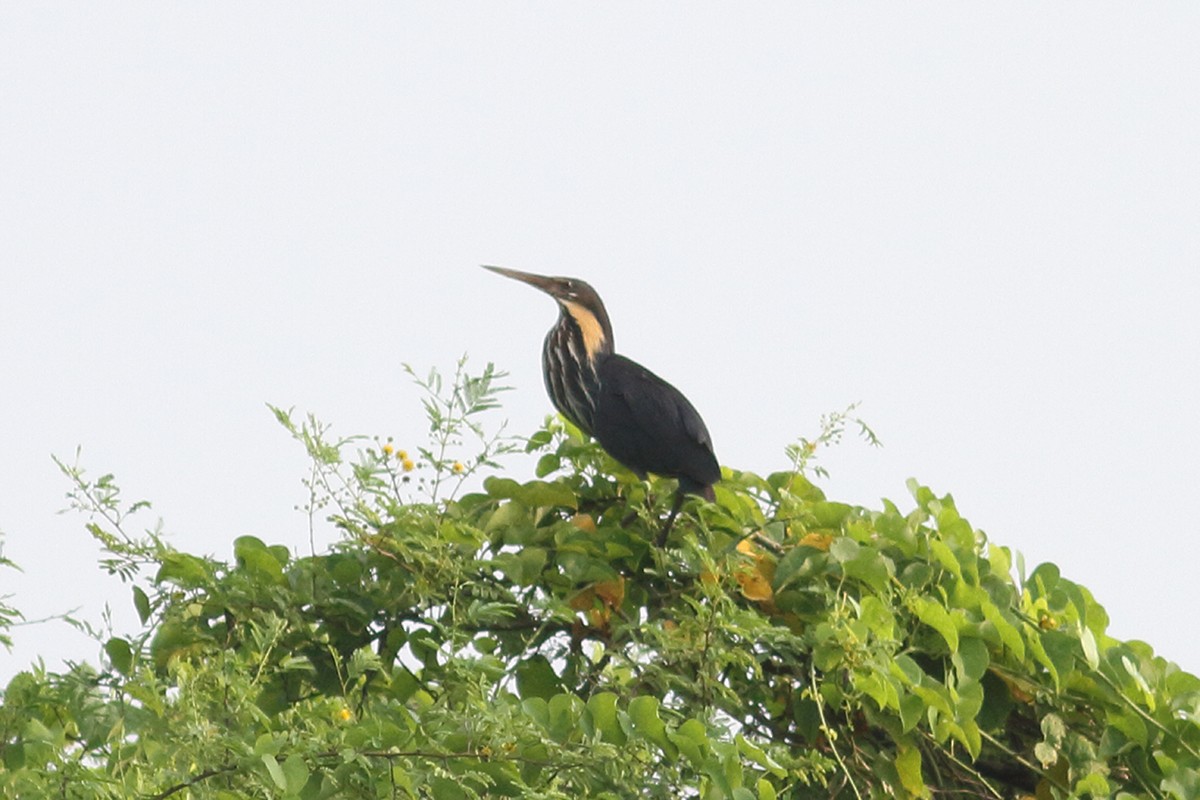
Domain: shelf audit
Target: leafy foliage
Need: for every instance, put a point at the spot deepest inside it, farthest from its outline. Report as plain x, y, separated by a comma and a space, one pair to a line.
8, 615
528, 640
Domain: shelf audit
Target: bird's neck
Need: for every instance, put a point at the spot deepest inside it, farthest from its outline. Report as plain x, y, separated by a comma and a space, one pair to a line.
594, 331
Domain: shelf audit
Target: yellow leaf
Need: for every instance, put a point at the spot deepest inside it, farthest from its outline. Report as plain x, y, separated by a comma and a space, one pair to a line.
755, 585
611, 592
817, 541
584, 522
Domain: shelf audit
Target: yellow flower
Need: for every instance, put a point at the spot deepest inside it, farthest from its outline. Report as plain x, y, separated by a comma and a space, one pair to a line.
458, 467
344, 715
407, 464
402, 455
387, 449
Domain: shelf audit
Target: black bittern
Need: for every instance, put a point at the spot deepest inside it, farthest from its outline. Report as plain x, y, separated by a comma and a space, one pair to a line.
638, 418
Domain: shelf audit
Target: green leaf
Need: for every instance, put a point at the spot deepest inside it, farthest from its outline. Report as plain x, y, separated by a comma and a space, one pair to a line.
171, 639
603, 708
878, 617
912, 709
829, 514
295, 773
643, 714
501, 488
799, 564
936, 617
538, 494
692, 740
1009, 634
547, 464
120, 654
275, 771
972, 658
945, 556
843, 549
14, 755
563, 711
1096, 785
523, 568
142, 603
536, 678
539, 439
870, 567
1087, 641
759, 756
257, 559
446, 789
908, 766
183, 570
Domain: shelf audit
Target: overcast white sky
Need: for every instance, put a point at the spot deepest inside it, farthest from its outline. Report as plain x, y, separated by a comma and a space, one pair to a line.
980, 220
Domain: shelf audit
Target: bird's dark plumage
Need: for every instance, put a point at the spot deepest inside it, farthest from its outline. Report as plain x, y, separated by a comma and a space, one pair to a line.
638, 418
649, 426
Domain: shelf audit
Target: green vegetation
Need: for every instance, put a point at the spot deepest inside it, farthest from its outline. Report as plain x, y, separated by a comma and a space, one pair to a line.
528, 641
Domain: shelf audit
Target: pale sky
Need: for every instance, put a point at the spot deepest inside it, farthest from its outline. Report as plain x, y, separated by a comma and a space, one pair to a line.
980, 220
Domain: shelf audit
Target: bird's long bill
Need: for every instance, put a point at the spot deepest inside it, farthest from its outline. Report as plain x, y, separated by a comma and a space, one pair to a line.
543, 282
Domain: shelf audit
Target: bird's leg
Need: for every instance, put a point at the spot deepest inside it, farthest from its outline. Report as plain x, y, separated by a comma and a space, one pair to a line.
666, 528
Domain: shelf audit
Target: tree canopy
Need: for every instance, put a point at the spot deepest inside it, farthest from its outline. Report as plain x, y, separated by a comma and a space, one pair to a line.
528, 640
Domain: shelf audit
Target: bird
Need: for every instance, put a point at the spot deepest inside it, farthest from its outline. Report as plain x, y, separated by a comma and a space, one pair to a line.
639, 419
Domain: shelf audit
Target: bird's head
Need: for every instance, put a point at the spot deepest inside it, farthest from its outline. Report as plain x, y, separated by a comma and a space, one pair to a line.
577, 301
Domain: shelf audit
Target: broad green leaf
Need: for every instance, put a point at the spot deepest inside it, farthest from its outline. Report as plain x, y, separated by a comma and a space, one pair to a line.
936, 617
1088, 642
1130, 724
14, 755
171, 639
536, 678
908, 766
912, 709
878, 617
944, 556
445, 789
603, 708
120, 654
972, 658
968, 734
759, 756
843, 549
798, 564
830, 515
692, 740
183, 570
502, 488
1009, 634
295, 773
275, 771
870, 567
547, 464
1095, 785
563, 710
142, 603
510, 515
643, 713
254, 556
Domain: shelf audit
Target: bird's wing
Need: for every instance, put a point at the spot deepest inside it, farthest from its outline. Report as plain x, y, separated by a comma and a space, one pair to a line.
648, 425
